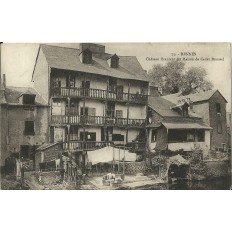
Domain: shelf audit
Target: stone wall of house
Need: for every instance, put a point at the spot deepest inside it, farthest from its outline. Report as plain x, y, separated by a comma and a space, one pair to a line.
134, 167
217, 138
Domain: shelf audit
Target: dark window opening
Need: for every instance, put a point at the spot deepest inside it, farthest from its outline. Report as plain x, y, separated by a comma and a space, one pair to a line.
175, 136
85, 84
87, 56
153, 135
219, 124
218, 107
29, 128
114, 61
70, 81
119, 114
29, 99
117, 137
112, 85
89, 136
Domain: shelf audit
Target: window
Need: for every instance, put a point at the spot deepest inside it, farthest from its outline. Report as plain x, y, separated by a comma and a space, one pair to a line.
218, 108
117, 137
153, 135
88, 111
201, 135
70, 81
28, 99
29, 128
223, 146
87, 56
114, 61
119, 114
219, 124
112, 85
85, 84
179, 136
89, 136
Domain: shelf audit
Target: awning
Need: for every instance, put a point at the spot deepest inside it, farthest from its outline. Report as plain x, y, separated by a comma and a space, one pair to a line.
178, 160
108, 154
186, 125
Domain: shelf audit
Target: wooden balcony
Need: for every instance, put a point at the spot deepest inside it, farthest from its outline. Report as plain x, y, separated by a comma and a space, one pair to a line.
96, 121
84, 145
99, 94
76, 145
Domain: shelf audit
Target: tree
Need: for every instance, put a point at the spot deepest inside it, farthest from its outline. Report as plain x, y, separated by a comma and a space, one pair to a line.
174, 77
195, 80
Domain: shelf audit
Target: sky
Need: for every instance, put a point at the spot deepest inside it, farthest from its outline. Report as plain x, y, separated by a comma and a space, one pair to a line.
17, 60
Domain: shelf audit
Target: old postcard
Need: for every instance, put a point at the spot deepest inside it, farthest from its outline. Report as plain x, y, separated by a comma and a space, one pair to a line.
114, 116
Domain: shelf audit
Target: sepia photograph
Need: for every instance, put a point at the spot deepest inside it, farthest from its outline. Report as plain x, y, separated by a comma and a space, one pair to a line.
115, 116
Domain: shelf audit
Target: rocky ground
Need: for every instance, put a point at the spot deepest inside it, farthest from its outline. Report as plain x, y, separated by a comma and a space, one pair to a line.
51, 181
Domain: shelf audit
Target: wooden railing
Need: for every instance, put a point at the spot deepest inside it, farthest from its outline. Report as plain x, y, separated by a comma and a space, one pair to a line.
72, 137
84, 145
99, 94
96, 120
93, 145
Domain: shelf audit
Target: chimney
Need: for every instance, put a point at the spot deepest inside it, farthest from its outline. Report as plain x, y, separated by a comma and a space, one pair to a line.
3, 82
113, 61
94, 48
86, 56
154, 90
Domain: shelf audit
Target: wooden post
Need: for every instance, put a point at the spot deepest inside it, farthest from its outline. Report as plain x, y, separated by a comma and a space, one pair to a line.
127, 119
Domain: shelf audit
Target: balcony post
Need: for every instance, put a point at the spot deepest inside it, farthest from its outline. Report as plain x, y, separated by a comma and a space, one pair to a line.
127, 118
68, 109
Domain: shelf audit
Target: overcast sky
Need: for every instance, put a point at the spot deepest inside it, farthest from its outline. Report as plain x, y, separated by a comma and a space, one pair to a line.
18, 60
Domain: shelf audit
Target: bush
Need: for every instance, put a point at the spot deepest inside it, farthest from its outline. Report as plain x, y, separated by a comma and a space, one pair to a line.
197, 167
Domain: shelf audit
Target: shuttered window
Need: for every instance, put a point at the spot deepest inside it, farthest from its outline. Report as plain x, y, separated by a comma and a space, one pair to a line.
29, 128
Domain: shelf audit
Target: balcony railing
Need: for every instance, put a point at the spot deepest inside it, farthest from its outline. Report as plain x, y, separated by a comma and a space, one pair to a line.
96, 120
99, 94
84, 145
93, 145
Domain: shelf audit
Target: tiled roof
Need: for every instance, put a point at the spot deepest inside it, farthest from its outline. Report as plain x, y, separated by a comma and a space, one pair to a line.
68, 58
164, 108
186, 125
13, 93
197, 97
45, 146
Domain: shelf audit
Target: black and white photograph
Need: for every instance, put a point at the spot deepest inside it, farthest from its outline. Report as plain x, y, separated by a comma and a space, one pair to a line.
115, 116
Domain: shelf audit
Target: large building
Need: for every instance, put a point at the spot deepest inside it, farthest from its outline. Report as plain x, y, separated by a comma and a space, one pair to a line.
23, 121
94, 97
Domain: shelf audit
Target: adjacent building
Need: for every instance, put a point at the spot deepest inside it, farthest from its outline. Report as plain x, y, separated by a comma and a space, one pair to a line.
24, 121
211, 105
95, 98
175, 127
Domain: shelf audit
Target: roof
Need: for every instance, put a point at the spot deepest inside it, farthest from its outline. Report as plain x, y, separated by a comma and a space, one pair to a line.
186, 125
12, 95
68, 59
164, 108
196, 97
178, 160
45, 146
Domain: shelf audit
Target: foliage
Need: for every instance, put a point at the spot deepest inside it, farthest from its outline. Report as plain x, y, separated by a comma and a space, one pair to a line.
174, 77
197, 165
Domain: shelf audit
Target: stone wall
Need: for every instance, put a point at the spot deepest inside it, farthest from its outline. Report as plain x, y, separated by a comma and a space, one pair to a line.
218, 168
134, 167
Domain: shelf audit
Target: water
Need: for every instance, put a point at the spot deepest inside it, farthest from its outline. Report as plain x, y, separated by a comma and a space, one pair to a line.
222, 183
